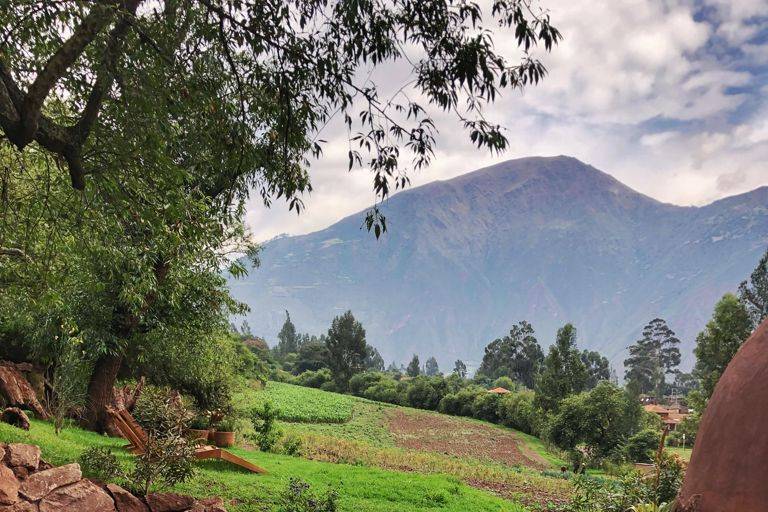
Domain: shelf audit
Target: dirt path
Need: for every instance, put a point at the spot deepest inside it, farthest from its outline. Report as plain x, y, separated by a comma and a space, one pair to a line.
456, 436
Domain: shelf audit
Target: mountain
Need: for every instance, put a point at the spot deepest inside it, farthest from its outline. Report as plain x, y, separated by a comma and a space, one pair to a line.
548, 240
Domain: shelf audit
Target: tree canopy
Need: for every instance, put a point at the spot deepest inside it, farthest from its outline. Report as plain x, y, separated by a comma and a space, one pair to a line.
652, 357
517, 356
563, 372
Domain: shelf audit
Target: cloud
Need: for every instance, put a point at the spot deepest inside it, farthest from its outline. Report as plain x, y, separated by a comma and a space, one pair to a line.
667, 96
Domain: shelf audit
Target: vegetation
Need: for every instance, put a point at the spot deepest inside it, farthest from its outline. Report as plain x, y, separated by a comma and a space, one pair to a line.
297, 403
652, 357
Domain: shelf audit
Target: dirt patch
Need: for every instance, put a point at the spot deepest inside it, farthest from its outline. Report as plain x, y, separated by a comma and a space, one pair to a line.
455, 436
531, 496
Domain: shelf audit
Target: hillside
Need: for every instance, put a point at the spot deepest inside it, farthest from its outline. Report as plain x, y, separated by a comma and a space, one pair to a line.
549, 240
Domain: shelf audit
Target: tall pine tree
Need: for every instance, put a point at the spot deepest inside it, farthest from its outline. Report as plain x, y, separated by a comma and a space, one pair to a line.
652, 358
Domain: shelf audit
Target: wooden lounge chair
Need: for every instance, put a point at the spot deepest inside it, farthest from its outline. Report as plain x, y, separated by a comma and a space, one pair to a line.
137, 437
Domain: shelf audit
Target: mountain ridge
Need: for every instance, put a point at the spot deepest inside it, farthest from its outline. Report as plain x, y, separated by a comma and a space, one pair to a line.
547, 239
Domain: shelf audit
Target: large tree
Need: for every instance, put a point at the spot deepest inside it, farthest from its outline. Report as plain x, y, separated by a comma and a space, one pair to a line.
652, 358
754, 292
598, 367
347, 349
166, 115
517, 356
431, 367
563, 372
414, 367
716, 345
460, 369
288, 339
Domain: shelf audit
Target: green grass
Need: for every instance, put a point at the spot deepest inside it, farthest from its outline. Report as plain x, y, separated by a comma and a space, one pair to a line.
367, 424
537, 445
683, 453
361, 489
298, 404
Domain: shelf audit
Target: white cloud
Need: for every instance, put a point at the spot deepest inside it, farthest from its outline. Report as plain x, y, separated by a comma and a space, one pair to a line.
639, 88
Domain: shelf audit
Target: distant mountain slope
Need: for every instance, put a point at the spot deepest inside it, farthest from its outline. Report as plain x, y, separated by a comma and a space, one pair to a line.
549, 240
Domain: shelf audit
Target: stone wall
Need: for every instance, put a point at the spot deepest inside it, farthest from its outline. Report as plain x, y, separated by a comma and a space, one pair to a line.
29, 484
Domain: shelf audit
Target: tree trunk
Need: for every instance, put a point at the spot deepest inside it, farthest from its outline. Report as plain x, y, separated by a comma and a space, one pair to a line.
100, 389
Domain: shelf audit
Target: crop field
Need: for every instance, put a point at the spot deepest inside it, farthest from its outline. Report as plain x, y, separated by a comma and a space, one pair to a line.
298, 404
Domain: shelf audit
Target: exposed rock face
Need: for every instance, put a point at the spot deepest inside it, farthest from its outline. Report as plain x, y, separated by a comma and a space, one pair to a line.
83, 496
29, 484
16, 417
169, 502
9, 486
16, 390
39, 485
23, 455
729, 465
125, 501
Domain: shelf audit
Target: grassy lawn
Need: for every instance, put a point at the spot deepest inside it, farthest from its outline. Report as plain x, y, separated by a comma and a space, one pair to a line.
361, 489
683, 453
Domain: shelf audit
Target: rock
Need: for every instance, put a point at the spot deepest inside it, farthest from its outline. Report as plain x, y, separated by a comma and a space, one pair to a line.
39, 485
169, 502
2, 452
22, 506
16, 390
16, 417
9, 486
25, 455
44, 465
20, 471
125, 501
83, 496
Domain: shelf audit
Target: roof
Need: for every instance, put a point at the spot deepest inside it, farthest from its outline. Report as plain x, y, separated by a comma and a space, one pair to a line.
500, 391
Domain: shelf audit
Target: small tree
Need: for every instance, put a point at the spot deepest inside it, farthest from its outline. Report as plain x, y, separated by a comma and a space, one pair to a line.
753, 293
267, 433
716, 345
347, 348
563, 372
288, 340
431, 368
460, 369
414, 367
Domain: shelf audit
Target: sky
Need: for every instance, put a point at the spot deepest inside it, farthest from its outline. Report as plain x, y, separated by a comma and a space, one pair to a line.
668, 96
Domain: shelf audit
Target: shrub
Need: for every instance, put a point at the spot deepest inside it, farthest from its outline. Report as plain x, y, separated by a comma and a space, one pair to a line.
642, 446
517, 410
314, 379
422, 394
362, 381
291, 445
100, 464
168, 460
329, 386
460, 403
485, 406
161, 411
299, 497
388, 391
505, 382
267, 433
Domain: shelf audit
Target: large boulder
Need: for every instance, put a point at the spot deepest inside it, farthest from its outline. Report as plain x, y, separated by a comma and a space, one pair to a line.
169, 502
16, 417
83, 496
9, 486
39, 485
23, 455
728, 471
16, 390
125, 501
22, 506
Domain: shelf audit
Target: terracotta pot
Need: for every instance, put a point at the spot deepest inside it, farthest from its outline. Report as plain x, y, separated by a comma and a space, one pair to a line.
198, 434
210, 435
224, 439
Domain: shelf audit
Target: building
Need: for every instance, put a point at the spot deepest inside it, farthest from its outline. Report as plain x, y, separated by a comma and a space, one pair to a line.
671, 416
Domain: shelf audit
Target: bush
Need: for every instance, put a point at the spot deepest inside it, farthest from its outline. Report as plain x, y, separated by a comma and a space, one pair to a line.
642, 446
389, 391
422, 394
314, 379
329, 386
485, 406
517, 410
167, 461
505, 382
267, 433
299, 497
291, 445
362, 381
161, 411
99, 463
460, 403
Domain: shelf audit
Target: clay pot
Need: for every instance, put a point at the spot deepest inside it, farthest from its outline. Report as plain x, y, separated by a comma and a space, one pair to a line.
195, 434
224, 439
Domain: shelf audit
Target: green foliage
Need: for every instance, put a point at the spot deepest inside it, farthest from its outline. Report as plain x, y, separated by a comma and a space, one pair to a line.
753, 293
716, 345
431, 367
347, 349
642, 446
298, 404
517, 410
414, 367
314, 379
299, 497
267, 433
485, 406
161, 411
601, 420
460, 369
651, 358
312, 356
516, 355
460, 403
505, 382
99, 463
288, 339
167, 461
563, 371
598, 368
67, 393
425, 393
291, 445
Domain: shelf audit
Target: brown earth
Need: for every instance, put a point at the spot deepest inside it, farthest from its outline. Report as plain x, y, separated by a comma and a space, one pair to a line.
460, 437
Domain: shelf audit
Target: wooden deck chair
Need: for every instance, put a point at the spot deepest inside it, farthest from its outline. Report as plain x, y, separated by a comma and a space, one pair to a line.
137, 437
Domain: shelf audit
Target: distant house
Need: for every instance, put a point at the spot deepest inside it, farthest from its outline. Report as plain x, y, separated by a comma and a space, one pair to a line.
499, 391
671, 416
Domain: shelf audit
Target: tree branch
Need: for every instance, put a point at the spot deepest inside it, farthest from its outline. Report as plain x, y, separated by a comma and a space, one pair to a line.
13, 252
